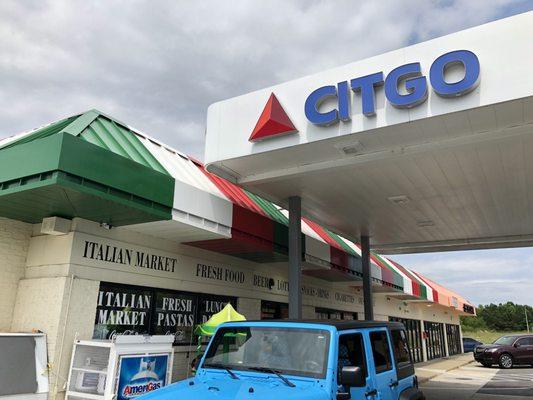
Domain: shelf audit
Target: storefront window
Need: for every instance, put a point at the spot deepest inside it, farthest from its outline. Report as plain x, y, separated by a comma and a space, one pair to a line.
122, 310
175, 315
209, 305
136, 310
274, 310
326, 313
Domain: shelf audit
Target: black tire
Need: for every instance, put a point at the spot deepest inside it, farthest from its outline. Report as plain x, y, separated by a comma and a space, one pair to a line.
486, 364
412, 394
506, 361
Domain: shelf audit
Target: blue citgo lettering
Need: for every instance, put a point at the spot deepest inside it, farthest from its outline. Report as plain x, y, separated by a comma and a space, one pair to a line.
313, 102
344, 101
470, 63
409, 75
366, 85
415, 84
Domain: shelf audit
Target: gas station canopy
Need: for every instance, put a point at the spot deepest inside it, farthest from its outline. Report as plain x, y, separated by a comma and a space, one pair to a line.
425, 148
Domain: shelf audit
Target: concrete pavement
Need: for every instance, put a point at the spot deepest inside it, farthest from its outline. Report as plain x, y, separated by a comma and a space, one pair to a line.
471, 381
430, 369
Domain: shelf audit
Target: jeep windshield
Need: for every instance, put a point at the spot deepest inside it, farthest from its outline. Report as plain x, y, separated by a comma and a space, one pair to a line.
291, 351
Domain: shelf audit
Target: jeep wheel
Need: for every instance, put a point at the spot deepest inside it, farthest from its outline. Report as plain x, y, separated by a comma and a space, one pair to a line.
506, 361
486, 364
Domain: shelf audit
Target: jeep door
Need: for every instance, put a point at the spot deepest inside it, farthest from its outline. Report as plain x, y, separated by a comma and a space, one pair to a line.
405, 370
382, 364
352, 352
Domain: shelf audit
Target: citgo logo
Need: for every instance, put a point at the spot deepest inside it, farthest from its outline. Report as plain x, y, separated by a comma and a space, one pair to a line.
134, 390
273, 121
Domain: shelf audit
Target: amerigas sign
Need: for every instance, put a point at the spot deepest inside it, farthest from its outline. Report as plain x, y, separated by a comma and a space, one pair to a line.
416, 88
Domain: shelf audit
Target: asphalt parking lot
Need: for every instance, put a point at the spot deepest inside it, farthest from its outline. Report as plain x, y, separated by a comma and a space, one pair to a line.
472, 381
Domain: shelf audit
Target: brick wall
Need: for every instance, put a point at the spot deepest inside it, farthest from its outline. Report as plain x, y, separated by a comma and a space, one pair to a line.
42, 304
14, 242
250, 308
182, 360
308, 312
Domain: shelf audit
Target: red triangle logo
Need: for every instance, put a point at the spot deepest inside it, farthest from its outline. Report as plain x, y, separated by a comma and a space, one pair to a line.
273, 121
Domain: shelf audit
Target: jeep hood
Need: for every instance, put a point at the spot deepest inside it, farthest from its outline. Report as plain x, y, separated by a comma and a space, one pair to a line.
257, 388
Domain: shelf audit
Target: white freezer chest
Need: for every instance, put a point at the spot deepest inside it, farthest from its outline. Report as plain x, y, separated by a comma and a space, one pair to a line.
119, 369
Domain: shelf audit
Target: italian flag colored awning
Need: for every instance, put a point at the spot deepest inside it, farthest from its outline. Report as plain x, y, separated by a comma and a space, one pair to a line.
243, 224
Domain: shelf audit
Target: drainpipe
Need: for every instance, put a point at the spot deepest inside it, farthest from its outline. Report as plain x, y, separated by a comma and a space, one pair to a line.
62, 342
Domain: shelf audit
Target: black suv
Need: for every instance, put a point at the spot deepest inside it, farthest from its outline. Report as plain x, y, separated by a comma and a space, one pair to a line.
506, 351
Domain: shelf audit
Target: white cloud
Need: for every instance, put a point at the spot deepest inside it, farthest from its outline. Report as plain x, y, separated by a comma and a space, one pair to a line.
482, 276
158, 65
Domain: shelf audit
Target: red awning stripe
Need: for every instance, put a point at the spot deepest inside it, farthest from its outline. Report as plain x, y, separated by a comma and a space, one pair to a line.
323, 234
233, 192
417, 287
434, 291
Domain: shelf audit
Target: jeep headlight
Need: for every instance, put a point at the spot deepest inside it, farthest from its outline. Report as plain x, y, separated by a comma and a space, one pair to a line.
491, 350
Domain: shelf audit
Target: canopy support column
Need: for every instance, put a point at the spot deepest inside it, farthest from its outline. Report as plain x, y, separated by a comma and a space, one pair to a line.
295, 257
367, 278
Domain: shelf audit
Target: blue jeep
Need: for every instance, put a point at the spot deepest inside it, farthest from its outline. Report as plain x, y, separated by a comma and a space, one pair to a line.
318, 360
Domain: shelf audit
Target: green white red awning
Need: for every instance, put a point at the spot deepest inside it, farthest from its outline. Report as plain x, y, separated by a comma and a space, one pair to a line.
257, 229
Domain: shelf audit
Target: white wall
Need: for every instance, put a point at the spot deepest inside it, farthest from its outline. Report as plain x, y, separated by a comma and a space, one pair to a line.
58, 296
14, 242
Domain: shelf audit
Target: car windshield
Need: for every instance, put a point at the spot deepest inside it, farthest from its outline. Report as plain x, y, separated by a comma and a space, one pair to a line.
292, 351
505, 340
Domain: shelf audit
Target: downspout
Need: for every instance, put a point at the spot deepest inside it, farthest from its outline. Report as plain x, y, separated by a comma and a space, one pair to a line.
63, 334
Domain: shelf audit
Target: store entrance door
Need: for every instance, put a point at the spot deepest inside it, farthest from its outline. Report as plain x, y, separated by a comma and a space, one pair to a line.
434, 340
454, 339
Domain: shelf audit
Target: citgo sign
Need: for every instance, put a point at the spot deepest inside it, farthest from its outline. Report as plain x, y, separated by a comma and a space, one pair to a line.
416, 88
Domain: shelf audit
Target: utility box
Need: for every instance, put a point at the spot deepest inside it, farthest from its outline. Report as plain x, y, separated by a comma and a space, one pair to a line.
55, 226
23, 366
119, 369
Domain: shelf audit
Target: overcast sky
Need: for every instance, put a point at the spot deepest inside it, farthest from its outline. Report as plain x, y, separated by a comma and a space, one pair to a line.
157, 65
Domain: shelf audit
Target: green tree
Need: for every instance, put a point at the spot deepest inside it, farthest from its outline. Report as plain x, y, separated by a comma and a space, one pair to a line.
499, 317
473, 324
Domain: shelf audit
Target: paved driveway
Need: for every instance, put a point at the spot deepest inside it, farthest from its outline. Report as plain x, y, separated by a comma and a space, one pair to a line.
477, 383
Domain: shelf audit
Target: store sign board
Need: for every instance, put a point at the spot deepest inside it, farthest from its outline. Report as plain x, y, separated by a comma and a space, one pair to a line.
341, 100
136, 258
409, 75
120, 256
140, 375
113, 255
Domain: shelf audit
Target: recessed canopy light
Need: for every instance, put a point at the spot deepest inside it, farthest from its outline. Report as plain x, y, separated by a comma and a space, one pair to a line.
426, 222
399, 200
350, 148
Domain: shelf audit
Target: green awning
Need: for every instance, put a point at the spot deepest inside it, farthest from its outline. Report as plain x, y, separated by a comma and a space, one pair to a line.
60, 174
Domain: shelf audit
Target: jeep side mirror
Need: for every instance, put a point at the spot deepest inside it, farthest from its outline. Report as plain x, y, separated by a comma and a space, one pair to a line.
352, 377
517, 345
